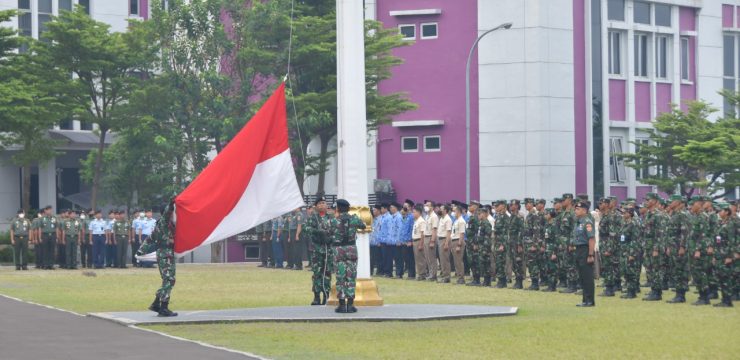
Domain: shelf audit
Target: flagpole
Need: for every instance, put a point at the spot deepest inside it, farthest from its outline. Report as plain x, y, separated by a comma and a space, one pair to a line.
352, 135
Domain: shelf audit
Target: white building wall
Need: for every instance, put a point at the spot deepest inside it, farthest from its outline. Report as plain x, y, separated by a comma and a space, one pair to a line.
526, 132
709, 54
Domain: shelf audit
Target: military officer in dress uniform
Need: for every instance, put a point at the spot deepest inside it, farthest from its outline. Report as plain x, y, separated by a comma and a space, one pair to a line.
19, 230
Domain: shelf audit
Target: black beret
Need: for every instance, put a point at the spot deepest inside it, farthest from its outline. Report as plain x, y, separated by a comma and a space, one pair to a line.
342, 203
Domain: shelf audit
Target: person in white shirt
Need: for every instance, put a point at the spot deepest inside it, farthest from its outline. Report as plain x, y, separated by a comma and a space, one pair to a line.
417, 238
457, 241
444, 240
430, 242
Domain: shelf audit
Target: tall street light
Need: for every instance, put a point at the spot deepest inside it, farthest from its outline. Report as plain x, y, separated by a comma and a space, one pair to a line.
467, 107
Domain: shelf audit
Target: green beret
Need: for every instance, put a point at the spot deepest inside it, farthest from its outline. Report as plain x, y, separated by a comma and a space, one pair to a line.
501, 202
582, 196
567, 196
723, 205
556, 200
583, 204
514, 201
676, 197
541, 201
604, 200
652, 195
528, 201
613, 198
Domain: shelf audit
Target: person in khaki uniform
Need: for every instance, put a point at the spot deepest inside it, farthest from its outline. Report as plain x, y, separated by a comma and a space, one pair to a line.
457, 241
19, 230
444, 239
430, 242
417, 238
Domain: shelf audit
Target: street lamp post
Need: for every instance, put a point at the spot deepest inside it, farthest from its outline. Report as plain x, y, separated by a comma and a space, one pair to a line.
467, 107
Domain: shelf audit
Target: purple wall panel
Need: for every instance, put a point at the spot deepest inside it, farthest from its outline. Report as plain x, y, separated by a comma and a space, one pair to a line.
617, 103
663, 98
687, 18
619, 191
440, 96
642, 101
641, 191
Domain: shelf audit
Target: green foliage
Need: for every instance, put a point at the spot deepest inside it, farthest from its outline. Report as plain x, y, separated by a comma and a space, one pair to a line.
692, 153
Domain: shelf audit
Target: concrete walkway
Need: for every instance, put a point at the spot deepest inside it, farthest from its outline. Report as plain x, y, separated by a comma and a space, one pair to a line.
405, 312
39, 333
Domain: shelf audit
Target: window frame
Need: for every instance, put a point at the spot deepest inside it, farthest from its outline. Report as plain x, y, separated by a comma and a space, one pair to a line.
438, 137
666, 59
685, 62
654, 14
616, 164
138, 7
403, 144
644, 171
619, 56
650, 12
436, 30
638, 53
403, 37
60, 9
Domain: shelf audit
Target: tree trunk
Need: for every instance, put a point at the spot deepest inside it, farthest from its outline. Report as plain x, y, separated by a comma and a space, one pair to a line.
26, 188
98, 165
322, 163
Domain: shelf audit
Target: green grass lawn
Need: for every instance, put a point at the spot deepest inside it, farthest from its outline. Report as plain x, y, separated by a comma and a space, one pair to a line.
548, 325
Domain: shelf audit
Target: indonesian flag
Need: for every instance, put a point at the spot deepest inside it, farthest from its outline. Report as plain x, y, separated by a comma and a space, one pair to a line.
249, 182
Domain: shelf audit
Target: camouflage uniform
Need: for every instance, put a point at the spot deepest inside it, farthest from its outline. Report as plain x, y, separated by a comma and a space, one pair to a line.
481, 244
345, 253
609, 227
471, 229
629, 246
551, 248
500, 239
48, 226
516, 250
532, 244
698, 242
162, 241
652, 235
680, 224
725, 249
568, 262
318, 230
714, 225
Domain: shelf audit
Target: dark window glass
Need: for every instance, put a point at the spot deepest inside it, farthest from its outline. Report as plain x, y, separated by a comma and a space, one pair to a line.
66, 124
85, 125
45, 6
685, 59
410, 144
24, 4
429, 30
43, 19
65, 5
133, 6
408, 31
615, 10
85, 4
642, 12
432, 143
729, 58
662, 15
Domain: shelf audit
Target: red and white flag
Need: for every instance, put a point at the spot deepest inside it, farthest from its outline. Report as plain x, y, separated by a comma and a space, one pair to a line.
249, 182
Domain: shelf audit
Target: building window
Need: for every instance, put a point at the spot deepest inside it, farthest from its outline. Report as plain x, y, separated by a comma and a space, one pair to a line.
685, 59
642, 12
641, 55
65, 5
432, 143
84, 125
615, 53
429, 31
44, 16
409, 144
24, 22
663, 15
66, 124
615, 10
133, 7
616, 164
24, 5
407, 31
86, 5
661, 57
730, 78
642, 172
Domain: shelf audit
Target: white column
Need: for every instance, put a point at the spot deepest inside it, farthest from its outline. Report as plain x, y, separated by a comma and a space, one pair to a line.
48, 184
351, 116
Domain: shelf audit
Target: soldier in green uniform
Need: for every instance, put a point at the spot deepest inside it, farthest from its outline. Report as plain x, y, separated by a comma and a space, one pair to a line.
701, 261
61, 250
609, 226
72, 234
677, 243
162, 241
500, 242
297, 221
36, 239
470, 231
318, 231
122, 237
345, 229
480, 244
516, 246
653, 233
48, 226
725, 248
584, 242
533, 242
562, 248
629, 250
567, 225
19, 230
710, 210
552, 250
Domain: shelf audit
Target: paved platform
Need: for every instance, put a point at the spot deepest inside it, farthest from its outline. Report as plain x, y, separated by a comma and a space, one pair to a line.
406, 312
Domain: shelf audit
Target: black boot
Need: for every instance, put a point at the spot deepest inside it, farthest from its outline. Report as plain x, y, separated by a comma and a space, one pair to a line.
617, 287
654, 296
679, 298
342, 308
571, 289
155, 305
726, 300
475, 282
629, 295
487, 281
164, 310
324, 297
501, 283
350, 305
713, 293
316, 299
563, 284
703, 298
518, 284
607, 291
535, 284
551, 287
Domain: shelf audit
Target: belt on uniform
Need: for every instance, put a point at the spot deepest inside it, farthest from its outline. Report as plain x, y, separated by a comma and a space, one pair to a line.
415, 240
581, 245
455, 239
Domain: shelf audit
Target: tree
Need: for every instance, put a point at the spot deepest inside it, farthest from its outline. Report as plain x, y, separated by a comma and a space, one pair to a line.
107, 68
691, 153
32, 100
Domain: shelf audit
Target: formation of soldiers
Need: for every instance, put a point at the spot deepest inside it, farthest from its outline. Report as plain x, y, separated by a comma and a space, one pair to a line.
677, 241
58, 239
